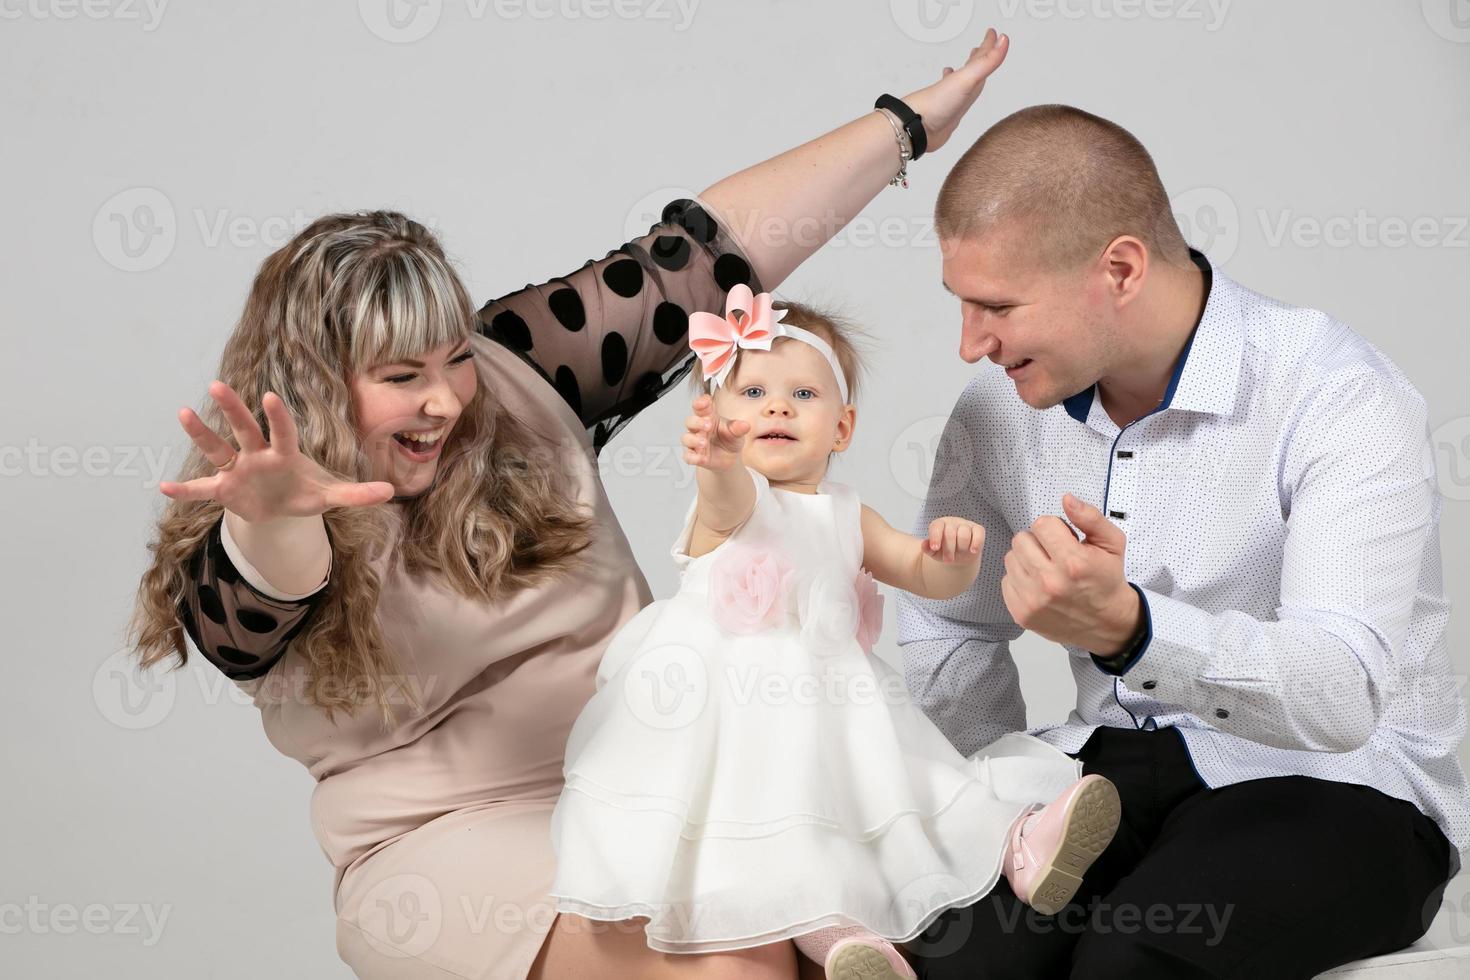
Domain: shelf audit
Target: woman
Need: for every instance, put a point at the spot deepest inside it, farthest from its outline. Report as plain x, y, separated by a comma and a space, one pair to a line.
416, 573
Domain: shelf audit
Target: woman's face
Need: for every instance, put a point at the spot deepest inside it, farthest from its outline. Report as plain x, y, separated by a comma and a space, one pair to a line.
421, 397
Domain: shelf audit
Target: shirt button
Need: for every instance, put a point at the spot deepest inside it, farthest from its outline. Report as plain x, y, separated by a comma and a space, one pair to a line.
1150, 685
1221, 713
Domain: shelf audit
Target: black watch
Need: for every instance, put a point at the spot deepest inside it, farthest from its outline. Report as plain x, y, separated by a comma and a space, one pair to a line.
1135, 643
912, 122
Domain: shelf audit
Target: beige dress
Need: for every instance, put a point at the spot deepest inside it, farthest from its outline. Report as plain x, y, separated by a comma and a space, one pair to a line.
439, 831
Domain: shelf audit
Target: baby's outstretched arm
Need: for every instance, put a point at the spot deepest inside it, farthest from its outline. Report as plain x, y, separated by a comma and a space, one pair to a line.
726, 491
940, 566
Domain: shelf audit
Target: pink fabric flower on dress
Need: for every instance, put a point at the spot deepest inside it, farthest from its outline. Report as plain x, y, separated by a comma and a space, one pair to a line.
747, 588
870, 610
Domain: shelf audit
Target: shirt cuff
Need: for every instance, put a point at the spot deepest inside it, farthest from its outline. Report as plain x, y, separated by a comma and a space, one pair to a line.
249, 573
1179, 635
1119, 664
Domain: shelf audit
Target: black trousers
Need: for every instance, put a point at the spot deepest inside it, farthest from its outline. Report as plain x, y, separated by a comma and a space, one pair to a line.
1280, 877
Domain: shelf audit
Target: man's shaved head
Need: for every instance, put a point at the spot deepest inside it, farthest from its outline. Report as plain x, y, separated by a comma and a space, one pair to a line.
1065, 183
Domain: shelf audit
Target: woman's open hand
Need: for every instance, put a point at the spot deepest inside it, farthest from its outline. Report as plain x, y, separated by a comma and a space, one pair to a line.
945, 103
711, 441
270, 479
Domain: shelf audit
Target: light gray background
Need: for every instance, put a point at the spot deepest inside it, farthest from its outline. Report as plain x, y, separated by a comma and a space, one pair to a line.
534, 136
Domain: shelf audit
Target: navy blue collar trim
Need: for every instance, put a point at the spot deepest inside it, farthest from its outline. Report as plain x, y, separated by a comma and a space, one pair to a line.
1079, 406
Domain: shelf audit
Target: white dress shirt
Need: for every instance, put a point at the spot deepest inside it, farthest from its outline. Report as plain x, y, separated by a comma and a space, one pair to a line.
1282, 518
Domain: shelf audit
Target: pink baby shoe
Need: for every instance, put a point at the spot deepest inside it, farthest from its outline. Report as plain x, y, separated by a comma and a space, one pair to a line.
1051, 847
867, 957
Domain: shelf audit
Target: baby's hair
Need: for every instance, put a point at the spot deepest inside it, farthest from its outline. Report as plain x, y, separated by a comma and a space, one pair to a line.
835, 329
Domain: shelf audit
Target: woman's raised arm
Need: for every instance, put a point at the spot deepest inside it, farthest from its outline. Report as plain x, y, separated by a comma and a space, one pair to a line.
611, 337
823, 184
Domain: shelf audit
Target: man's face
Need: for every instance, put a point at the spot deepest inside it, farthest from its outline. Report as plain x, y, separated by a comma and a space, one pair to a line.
1055, 333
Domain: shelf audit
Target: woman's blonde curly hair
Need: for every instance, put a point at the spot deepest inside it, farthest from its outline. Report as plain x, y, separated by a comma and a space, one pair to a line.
348, 292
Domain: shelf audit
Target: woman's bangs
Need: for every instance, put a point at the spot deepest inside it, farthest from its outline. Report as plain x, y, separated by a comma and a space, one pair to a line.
412, 304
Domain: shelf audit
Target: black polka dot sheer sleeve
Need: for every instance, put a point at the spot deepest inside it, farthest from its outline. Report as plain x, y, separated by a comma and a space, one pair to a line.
239, 629
612, 336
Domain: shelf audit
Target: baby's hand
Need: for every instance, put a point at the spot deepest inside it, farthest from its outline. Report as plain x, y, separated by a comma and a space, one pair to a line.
711, 441
954, 540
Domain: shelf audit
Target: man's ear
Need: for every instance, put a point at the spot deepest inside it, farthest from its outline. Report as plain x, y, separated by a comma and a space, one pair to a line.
1125, 266
845, 427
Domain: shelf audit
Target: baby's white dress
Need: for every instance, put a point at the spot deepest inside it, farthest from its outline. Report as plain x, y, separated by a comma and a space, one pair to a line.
746, 771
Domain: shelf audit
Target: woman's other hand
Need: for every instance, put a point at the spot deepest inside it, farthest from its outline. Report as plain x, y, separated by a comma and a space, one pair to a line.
270, 478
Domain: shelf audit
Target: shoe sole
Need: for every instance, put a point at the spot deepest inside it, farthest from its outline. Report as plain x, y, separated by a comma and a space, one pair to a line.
1087, 829
857, 962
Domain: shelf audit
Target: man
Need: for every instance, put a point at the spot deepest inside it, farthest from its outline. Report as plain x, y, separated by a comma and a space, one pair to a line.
1224, 508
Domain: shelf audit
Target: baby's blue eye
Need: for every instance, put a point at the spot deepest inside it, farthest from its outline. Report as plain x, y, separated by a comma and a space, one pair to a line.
753, 388
800, 392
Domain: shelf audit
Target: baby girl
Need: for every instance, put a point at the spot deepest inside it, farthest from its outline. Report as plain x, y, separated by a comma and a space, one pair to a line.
748, 770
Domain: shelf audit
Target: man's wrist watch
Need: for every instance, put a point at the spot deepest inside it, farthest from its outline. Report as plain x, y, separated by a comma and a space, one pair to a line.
1134, 644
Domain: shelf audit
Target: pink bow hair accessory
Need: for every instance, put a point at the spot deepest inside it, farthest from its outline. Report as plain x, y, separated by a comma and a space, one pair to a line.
749, 322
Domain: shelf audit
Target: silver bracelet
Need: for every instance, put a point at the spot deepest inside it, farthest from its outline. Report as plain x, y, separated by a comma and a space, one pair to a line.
905, 149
